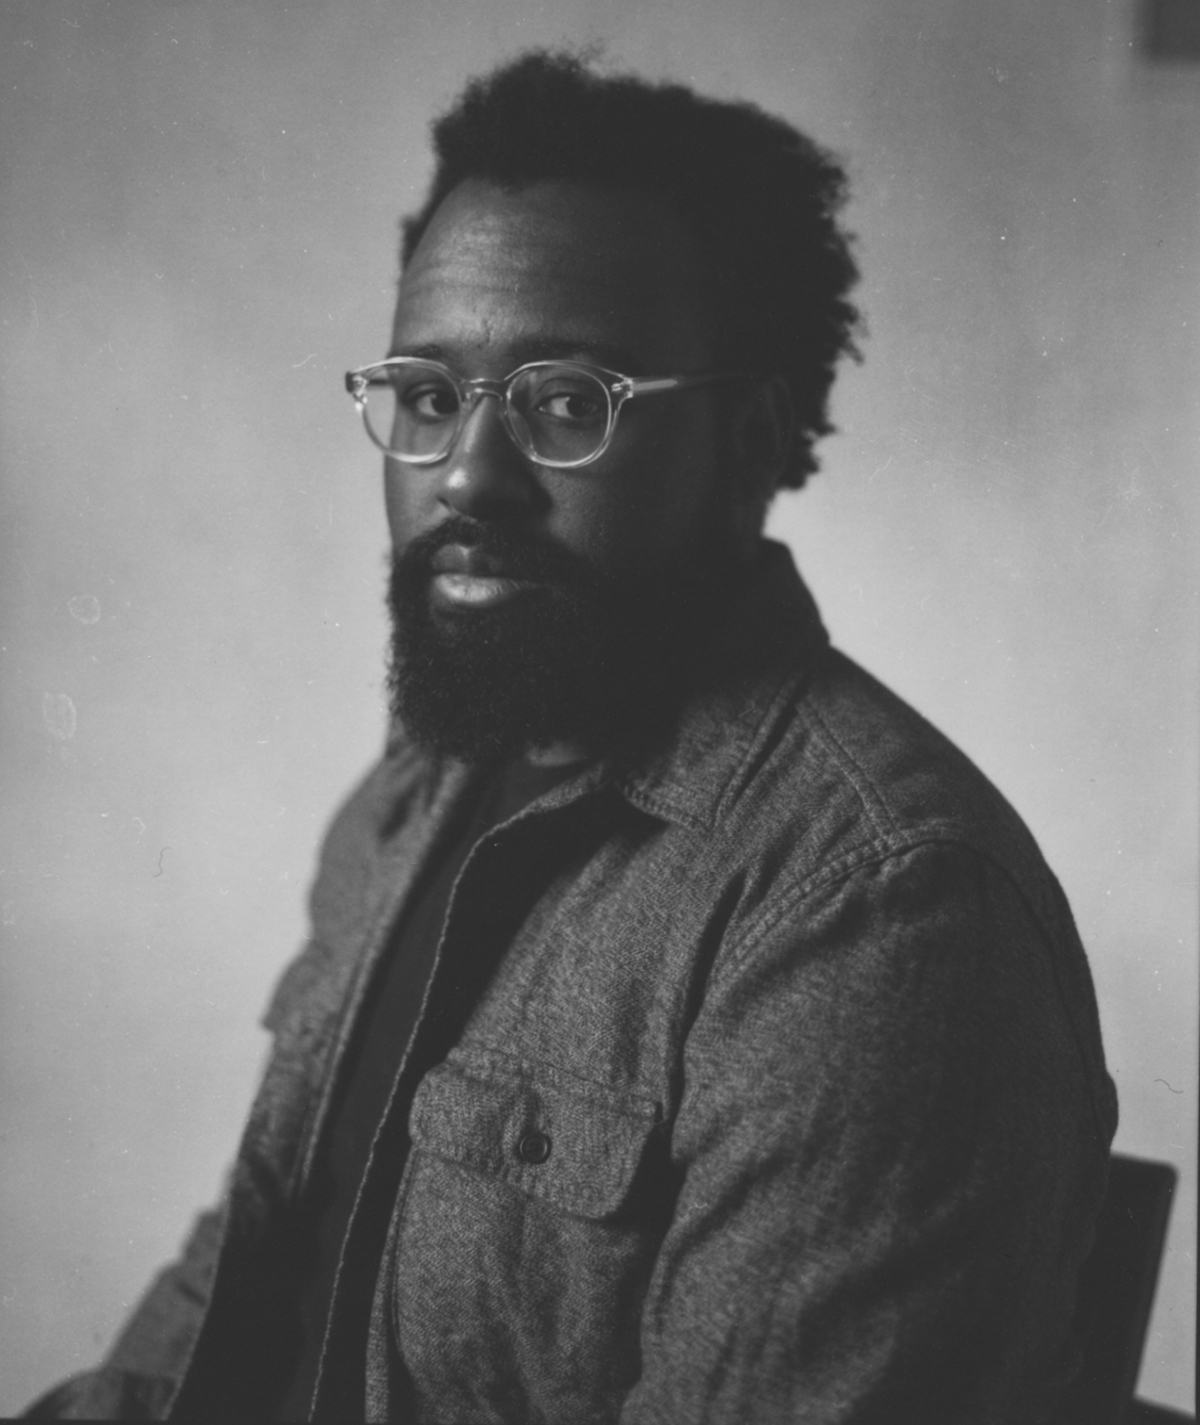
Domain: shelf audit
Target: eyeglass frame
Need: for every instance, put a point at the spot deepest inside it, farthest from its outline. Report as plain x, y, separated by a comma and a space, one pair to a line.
617, 387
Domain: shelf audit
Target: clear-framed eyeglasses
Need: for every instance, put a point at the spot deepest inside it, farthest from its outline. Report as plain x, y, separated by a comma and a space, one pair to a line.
558, 413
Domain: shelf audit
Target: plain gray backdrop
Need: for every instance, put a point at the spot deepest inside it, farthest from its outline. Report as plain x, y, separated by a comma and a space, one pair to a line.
197, 237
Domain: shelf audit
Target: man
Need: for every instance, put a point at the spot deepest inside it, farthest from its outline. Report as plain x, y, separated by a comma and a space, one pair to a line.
687, 1032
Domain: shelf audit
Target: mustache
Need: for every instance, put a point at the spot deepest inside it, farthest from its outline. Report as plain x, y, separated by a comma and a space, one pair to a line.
525, 556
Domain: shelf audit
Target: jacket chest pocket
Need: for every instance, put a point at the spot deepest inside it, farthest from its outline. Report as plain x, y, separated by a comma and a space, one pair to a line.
562, 1141
523, 1242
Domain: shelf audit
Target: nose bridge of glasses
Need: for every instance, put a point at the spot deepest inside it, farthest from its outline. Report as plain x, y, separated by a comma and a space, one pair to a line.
471, 393
471, 390
513, 418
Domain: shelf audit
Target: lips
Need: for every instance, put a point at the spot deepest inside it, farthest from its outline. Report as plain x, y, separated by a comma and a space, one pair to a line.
475, 563
466, 576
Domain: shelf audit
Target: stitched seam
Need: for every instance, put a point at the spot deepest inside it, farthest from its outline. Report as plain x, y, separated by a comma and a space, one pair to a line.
785, 695
873, 854
874, 804
531, 1072
563, 1188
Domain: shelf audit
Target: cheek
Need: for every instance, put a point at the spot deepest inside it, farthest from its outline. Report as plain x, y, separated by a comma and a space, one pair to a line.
670, 499
632, 520
404, 501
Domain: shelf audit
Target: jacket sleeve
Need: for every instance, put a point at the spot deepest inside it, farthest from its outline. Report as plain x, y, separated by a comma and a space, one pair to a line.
891, 1152
139, 1375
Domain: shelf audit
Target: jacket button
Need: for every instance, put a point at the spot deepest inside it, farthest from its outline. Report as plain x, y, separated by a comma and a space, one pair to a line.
534, 1147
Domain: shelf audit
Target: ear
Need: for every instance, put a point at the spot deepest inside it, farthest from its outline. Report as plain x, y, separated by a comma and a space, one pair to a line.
761, 434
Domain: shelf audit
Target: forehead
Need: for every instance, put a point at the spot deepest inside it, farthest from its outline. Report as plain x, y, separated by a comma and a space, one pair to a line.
555, 269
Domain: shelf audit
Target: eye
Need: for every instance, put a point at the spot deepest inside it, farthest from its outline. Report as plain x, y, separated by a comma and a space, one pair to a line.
428, 400
572, 406
570, 400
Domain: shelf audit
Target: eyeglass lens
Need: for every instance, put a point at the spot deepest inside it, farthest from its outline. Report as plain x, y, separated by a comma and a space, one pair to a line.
556, 413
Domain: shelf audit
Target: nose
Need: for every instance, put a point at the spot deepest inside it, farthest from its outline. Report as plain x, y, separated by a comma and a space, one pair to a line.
485, 476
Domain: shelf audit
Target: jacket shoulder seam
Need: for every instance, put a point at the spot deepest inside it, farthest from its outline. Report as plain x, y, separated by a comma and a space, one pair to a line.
851, 769
876, 853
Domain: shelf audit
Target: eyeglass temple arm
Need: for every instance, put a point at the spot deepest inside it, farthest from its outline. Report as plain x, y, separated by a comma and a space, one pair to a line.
646, 386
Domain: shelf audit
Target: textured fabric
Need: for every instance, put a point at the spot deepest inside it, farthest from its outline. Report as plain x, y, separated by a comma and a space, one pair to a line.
373, 1065
805, 1023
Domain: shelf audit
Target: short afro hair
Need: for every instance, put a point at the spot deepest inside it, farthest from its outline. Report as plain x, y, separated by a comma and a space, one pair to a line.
761, 199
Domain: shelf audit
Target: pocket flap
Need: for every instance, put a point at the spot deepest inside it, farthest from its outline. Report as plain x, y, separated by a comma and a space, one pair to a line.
574, 1144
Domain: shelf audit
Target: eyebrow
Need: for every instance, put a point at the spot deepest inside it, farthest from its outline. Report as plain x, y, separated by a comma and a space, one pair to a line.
542, 348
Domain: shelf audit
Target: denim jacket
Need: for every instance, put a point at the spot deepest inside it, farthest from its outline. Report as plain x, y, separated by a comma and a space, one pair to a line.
785, 1099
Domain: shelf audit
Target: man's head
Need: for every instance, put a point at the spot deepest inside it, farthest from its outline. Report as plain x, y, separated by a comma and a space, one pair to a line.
759, 199
648, 233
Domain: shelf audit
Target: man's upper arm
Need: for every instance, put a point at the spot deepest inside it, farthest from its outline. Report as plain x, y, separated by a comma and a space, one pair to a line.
140, 1373
890, 1163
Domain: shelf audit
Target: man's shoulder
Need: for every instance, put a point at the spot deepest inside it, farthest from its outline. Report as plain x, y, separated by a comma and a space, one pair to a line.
849, 774
793, 751
859, 814
908, 776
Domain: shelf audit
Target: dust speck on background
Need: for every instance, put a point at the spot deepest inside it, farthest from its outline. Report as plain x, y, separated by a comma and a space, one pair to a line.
85, 608
58, 713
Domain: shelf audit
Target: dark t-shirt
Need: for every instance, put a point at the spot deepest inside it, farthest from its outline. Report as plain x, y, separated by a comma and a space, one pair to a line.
371, 1072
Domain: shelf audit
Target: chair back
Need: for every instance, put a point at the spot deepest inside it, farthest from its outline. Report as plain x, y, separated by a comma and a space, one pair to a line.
1116, 1290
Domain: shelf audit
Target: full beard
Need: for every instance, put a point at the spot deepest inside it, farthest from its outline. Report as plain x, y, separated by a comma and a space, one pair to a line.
573, 658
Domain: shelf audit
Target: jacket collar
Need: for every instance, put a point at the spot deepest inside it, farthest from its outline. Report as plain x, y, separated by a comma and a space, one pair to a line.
766, 642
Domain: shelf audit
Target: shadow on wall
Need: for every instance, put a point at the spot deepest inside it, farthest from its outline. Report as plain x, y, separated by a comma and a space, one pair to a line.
1169, 31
